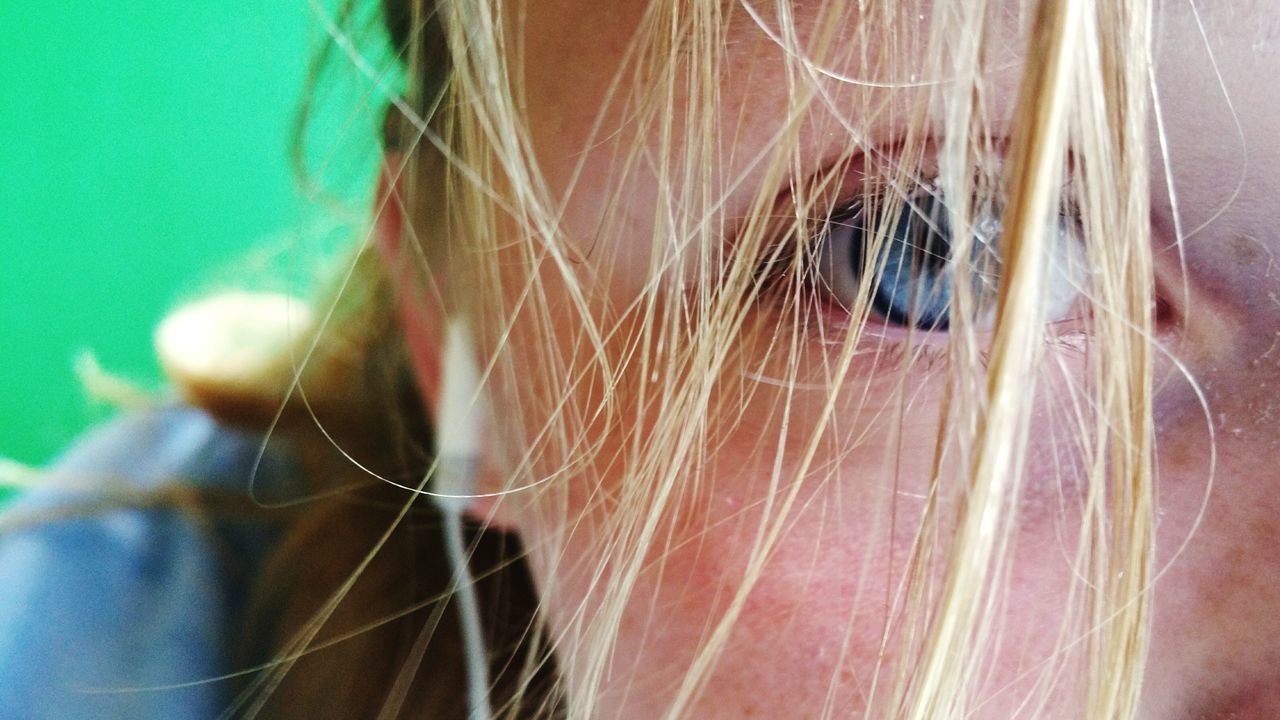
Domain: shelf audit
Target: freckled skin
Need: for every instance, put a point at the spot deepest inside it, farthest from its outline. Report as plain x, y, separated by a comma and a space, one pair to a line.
1217, 635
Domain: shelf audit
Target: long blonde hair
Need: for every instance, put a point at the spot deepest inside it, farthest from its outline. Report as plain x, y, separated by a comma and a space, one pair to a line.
481, 204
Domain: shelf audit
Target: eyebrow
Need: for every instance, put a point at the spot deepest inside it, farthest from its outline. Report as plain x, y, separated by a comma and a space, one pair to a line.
802, 12
809, 11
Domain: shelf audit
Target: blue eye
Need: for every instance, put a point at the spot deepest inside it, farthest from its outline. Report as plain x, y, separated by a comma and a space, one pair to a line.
914, 287
909, 274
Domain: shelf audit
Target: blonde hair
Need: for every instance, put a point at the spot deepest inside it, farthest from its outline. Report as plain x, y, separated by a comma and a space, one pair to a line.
481, 205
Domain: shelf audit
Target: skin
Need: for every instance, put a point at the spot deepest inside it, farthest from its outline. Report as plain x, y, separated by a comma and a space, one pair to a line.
811, 630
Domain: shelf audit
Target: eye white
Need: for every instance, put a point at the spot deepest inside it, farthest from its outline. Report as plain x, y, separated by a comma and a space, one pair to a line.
839, 264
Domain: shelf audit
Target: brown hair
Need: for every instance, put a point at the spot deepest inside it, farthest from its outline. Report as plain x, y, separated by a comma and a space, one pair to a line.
352, 607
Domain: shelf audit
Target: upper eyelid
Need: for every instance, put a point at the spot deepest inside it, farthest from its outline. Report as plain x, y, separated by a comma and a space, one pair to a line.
854, 182
929, 182
857, 206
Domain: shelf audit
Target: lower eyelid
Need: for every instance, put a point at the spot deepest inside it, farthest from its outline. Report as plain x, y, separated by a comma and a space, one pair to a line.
891, 346
884, 351
901, 345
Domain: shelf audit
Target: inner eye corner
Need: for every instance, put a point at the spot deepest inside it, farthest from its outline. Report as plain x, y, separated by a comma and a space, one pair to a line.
1166, 315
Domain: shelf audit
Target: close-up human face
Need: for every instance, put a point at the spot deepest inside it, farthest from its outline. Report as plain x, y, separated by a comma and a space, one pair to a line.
778, 572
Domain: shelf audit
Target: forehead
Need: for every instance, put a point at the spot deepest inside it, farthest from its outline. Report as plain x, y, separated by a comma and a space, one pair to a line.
573, 50
579, 60
1216, 85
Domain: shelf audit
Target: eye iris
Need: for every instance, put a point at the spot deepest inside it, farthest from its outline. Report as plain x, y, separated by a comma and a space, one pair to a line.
902, 259
911, 283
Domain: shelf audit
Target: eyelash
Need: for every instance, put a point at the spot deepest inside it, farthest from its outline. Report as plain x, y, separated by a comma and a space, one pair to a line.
914, 266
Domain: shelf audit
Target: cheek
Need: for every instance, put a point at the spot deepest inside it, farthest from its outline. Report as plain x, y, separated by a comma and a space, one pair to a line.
814, 614
824, 608
1215, 622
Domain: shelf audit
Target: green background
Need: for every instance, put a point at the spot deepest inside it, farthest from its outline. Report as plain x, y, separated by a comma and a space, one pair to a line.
143, 160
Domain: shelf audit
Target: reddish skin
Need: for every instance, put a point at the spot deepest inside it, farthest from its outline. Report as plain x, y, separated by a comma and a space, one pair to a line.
1216, 638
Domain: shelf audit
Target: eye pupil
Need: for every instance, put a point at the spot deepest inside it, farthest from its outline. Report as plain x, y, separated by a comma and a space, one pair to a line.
911, 284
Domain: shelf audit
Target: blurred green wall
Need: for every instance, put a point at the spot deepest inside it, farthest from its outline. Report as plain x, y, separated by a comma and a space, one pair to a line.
142, 151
